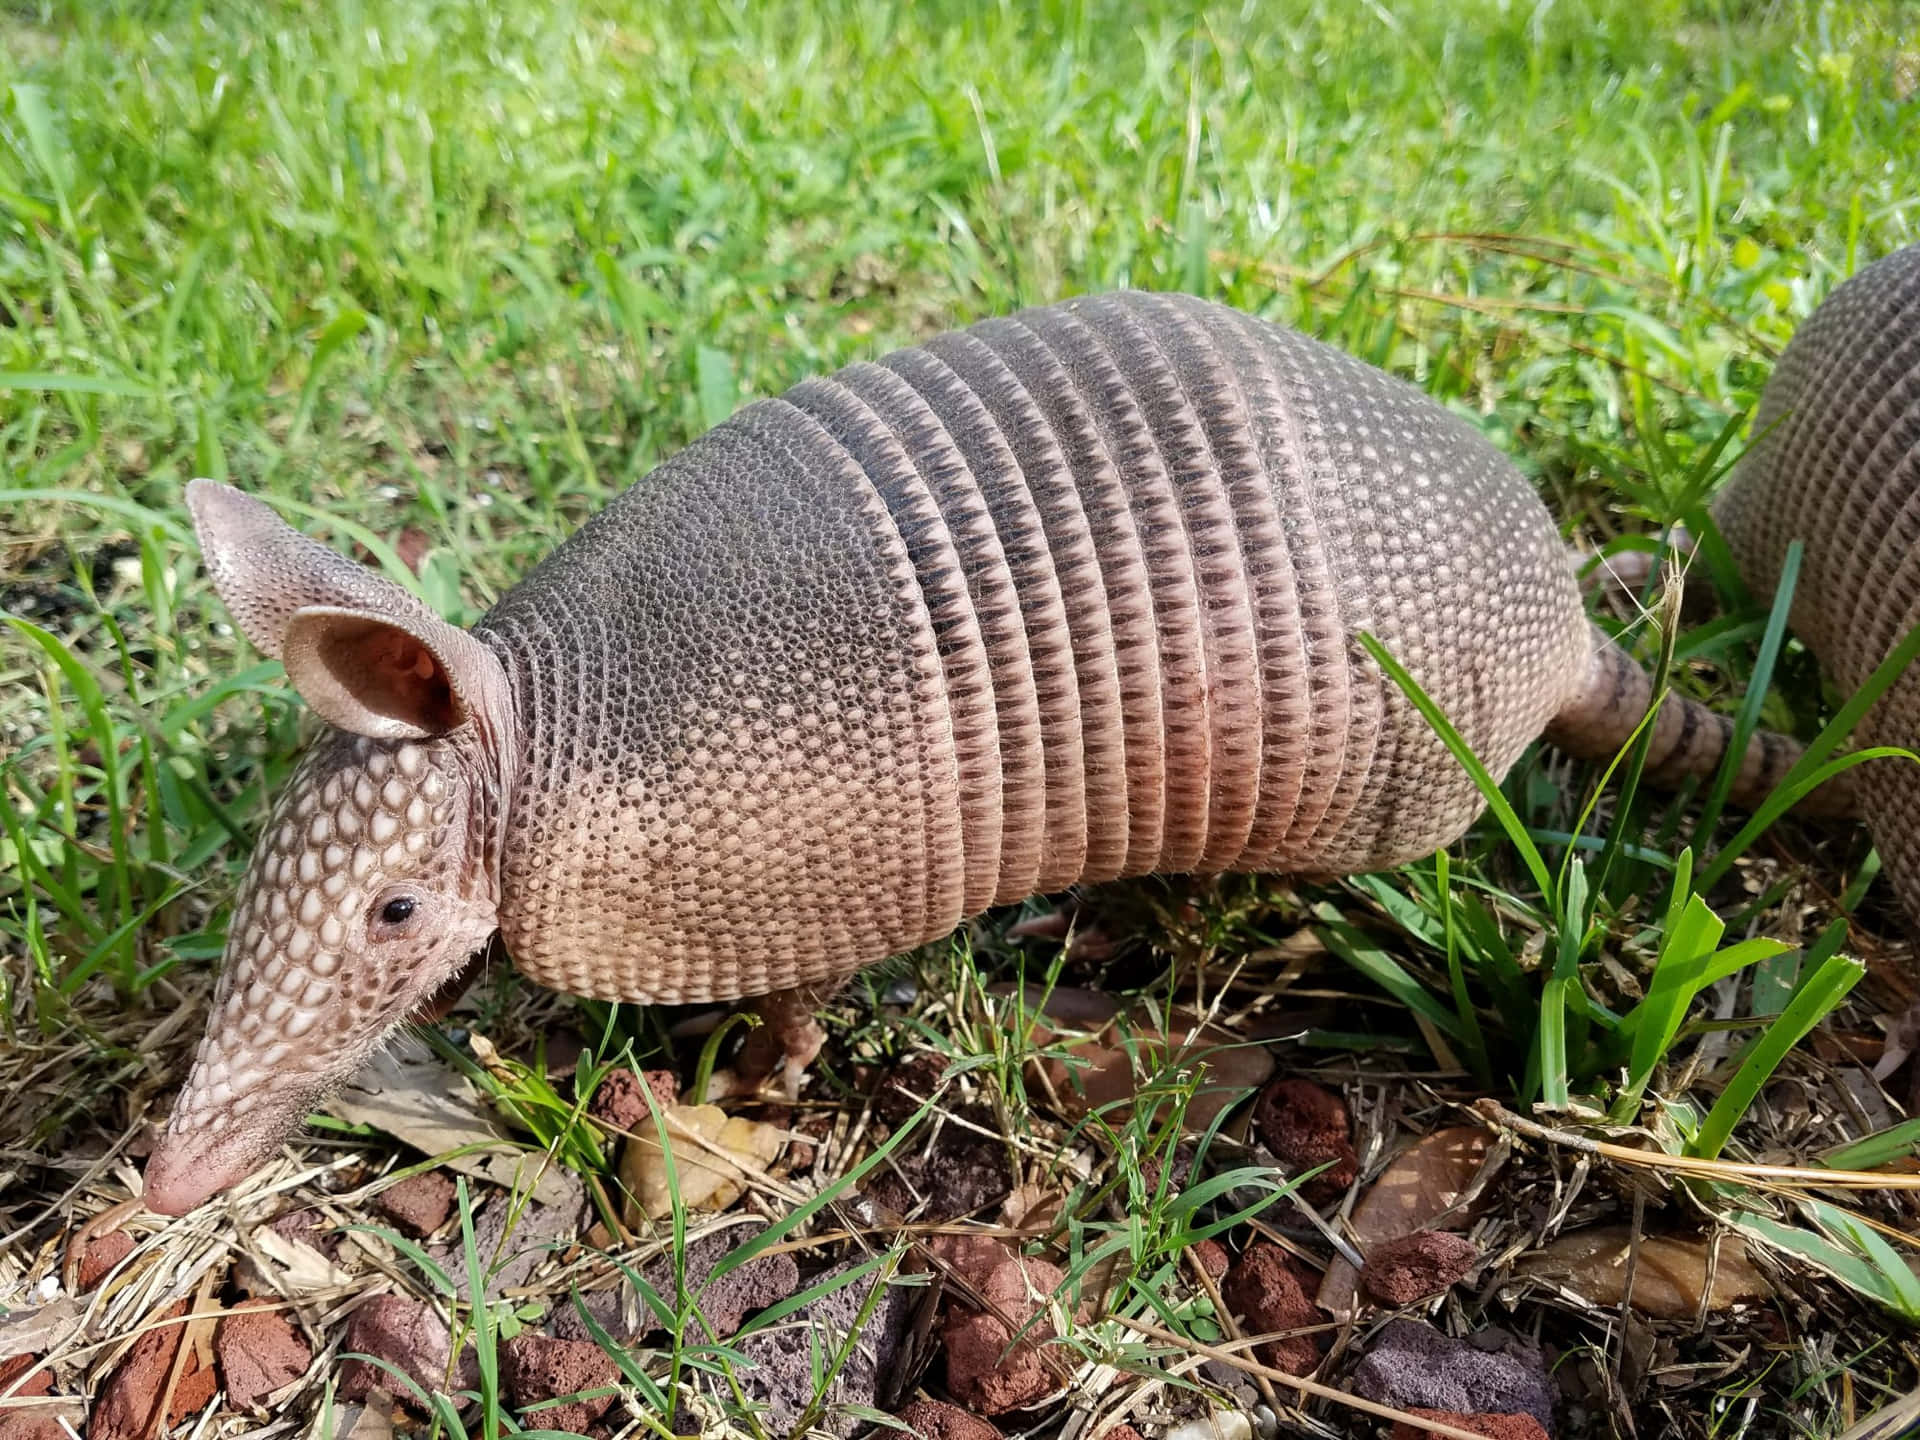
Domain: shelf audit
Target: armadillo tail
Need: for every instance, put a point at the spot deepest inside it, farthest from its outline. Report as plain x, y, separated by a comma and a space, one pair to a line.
1689, 739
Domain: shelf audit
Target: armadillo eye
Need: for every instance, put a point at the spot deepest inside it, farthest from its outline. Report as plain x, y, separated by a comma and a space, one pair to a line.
397, 910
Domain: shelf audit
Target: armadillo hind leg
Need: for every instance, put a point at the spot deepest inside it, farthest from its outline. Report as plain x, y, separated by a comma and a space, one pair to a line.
782, 1046
1689, 739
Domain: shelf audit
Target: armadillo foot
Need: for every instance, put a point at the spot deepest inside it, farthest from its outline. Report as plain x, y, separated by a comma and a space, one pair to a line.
780, 1048
1903, 1045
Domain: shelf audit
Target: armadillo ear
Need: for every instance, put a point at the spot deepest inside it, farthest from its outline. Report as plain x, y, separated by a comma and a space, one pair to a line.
390, 676
266, 570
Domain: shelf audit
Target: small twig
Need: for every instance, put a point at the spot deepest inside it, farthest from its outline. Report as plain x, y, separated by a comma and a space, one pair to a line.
1780, 1176
183, 1351
1229, 1324
106, 1222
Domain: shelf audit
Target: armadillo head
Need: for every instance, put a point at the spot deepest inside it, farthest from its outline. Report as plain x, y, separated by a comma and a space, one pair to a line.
376, 877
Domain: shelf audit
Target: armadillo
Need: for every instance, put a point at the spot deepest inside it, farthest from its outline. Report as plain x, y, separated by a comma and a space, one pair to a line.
1835, 464
1068, 596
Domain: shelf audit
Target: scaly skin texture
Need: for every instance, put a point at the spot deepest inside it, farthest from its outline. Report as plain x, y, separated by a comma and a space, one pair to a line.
1835, 463
1072, 595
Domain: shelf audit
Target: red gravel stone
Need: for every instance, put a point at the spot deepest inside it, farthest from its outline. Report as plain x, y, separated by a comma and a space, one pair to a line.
1399, 1272
420, 1204
1494, 1427
103, 1252
34, 1424
621, 1102
1266, 1291
973, 1255
1306, 1125
259, 1351
538, 1369
14, 1367
937, 1420
1212, 1256
130, 1396
976, 1341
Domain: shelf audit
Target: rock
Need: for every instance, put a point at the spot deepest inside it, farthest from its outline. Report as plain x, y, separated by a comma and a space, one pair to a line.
42, 1422
780, 1359
1421, 1183
936, 1420
537, 1370
125, 1409
259, 1351
981, 1371
1494, 1427
408, 1335
973, 1255
102, 1253
420, 1204
959, 1174
1306, 1125
1266, 1290
1669, 1276
1399, 1272
725, 1303
1212, 1257
619, 1312
1411, 1365
12, 1368
512, 1243
621, 1099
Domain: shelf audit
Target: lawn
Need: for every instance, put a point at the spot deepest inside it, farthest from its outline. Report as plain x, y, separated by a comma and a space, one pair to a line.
439, 279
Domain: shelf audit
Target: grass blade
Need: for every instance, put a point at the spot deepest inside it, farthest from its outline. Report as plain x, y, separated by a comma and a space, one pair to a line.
1456, 743
1816, 1000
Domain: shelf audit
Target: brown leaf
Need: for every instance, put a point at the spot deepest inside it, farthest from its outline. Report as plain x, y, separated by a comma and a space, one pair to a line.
1106, 1073
703, 1137
1669, 1274
410, 1094
1421, 1183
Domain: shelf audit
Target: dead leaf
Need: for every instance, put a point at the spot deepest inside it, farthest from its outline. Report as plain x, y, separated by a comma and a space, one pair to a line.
1107, 1070
411, 1095
1033, 1208
42, 1328
703, 1137
1669, 1274
1066, 1007
272, 1263
1419, 1185
371, 1421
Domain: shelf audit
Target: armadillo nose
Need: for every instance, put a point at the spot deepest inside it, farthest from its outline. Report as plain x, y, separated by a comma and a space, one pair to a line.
179, 1180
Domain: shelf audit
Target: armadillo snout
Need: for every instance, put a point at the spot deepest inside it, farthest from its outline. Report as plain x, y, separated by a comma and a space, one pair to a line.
360, 900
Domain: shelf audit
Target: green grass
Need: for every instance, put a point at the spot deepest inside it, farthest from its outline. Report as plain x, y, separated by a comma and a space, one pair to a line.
468, 269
